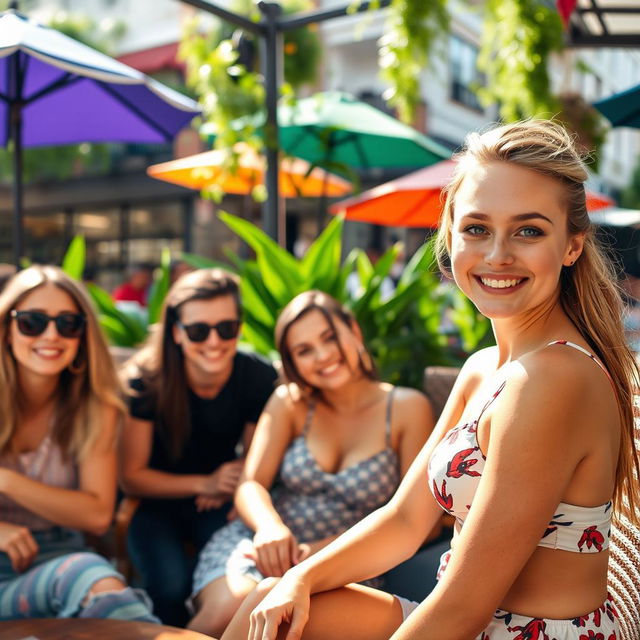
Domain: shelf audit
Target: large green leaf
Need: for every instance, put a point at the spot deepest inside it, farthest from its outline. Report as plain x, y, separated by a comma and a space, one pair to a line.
200, 262
74, 259
422, 260
280, 270
117, 333
135, 327
160, 287
321, 263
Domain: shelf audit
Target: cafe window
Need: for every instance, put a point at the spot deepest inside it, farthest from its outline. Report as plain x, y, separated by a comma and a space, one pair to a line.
465, 76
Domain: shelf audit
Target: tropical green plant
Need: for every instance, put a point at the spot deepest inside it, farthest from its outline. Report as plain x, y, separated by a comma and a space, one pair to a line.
122, 328
403, 331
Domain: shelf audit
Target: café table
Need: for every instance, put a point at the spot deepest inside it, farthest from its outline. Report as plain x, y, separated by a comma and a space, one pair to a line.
91, 629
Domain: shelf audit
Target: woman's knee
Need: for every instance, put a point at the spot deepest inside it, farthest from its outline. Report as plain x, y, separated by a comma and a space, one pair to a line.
217, 604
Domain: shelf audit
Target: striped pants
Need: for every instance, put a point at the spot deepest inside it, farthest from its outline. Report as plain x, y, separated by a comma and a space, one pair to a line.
58, 588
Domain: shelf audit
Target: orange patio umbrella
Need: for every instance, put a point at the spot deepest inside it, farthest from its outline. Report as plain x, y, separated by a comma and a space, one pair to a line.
207, 169
416, 200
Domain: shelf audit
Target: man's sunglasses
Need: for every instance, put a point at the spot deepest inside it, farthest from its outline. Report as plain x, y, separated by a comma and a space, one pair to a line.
35, 323
199, 331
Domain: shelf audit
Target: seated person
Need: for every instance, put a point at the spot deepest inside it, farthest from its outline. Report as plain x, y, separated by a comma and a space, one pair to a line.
330, 447
59, 403
534, 450
193, 399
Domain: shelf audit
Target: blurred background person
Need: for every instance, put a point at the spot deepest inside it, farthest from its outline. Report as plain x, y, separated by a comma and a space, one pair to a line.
193, 398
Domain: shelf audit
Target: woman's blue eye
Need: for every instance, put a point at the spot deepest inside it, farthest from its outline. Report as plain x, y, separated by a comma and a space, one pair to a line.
530, 232
474, 229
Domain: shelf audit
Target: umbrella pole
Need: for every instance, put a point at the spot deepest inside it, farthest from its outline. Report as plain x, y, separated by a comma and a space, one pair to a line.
271, 43
15, 135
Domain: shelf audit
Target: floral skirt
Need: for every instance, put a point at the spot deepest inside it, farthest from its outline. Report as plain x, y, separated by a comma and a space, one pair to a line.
601, 624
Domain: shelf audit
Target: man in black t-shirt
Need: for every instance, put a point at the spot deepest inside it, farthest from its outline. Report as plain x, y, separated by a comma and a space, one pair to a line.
187, 422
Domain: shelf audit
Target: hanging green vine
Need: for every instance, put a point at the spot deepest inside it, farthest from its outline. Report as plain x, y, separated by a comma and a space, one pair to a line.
518, 37
411, 33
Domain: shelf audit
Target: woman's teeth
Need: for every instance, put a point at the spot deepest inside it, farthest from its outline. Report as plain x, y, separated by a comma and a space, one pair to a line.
500, 284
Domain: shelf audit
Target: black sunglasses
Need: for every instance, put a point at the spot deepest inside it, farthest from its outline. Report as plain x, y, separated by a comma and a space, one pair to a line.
34, 323
199, 331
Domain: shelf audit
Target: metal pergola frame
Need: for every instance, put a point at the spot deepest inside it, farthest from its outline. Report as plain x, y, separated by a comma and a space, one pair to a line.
272, 25
269, 30
581, 35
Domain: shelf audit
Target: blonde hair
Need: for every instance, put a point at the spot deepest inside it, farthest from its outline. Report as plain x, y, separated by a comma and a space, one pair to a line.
83, 389
589, 293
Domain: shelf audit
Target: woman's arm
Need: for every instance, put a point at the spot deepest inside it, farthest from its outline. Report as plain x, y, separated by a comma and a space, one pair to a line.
276, 547
88, 508
536, 443
138, 479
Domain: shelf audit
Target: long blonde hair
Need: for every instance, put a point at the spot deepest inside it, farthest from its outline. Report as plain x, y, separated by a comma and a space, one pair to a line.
589, 293
83, 390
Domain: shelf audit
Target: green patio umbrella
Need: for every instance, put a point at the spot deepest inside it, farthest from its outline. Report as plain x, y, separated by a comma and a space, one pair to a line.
622, 109
340, 133
334, 127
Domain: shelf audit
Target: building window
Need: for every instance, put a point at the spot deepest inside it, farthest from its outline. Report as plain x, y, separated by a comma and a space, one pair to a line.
465, 76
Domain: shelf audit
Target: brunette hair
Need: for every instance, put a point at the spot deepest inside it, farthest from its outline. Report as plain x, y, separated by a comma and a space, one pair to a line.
589, 293
332, 310
160, 363
84, 388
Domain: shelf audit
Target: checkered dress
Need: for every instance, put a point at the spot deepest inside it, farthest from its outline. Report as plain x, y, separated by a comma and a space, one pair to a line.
313, 503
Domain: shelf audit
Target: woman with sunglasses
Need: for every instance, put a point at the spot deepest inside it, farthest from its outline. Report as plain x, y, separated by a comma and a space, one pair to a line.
59, 406
330, 447
193, 399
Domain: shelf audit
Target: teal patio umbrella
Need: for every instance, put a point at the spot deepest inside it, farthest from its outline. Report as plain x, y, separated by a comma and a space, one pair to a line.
622, 109
334, 127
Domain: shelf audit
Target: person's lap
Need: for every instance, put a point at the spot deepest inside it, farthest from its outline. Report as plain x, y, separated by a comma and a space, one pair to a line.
354, 612
158, 538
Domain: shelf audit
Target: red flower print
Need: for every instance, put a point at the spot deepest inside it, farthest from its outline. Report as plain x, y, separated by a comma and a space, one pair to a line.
597, 617
459, 464
581, 621
592, 538
444, 500
613, 636
533, 630
592, 636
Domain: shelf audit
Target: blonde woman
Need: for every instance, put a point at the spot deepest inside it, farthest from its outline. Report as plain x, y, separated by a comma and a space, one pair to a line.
534, 450
58, 413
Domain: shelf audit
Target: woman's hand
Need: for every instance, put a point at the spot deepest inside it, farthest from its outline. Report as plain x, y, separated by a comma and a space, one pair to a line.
288, 602
224, 480
18, 543
276, 549
206, 503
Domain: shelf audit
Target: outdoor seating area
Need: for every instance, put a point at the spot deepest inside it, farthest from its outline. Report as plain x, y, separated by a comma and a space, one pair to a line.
319, 320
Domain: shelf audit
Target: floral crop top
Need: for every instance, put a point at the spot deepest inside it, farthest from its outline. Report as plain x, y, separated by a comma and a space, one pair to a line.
455, 469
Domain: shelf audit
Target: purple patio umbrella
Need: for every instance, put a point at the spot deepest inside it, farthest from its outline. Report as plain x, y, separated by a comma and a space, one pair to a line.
55, 90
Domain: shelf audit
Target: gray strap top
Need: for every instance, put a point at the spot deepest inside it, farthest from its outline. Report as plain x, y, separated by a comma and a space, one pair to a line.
315, 503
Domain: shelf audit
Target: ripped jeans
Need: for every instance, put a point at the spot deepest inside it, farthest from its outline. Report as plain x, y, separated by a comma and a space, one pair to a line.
58, 586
